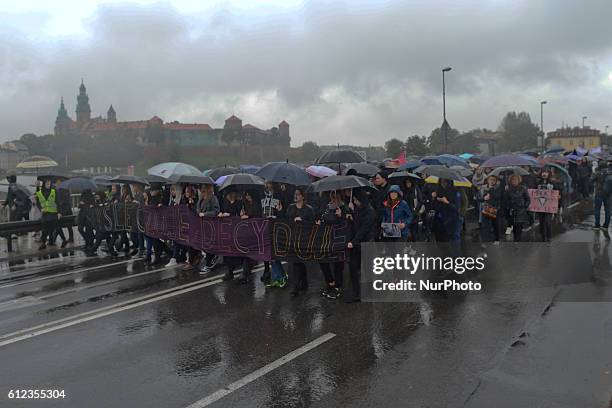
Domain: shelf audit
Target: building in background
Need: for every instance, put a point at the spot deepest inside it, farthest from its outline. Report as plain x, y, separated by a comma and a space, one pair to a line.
154, 131
11, 154
571, 138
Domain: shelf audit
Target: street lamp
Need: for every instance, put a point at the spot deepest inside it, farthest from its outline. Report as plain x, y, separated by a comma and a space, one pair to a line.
607, 126
444, 124
583, 118
542, 122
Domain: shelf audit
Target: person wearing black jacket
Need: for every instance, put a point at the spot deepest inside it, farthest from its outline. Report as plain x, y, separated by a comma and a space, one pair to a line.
231, 206
334, 213
64, 208
153, 198
516, 201
102, 235
490, 195
364, 230
379, 197
299, 212
84, 226
545, 182
413, 197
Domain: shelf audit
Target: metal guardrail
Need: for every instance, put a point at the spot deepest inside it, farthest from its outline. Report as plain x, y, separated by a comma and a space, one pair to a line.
7, 229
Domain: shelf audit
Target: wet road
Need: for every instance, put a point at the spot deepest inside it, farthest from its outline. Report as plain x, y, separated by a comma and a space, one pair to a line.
117, 333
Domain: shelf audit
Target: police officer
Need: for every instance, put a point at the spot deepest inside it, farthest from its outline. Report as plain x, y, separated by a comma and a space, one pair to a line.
46, 201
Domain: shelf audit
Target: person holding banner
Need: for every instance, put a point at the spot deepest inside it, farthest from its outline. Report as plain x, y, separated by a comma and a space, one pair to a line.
334, 213
272, 207
516, 200
207, 206
545, 219
84, 225
396, 216
299, 212
232, 207
102, 235
194, 256
364, 230
153, 198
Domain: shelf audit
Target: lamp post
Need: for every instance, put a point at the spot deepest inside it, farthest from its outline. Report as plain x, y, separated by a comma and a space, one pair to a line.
583, 118
542, 122
444, 124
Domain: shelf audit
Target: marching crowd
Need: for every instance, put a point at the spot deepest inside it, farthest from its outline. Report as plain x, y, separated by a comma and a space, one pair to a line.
391, 209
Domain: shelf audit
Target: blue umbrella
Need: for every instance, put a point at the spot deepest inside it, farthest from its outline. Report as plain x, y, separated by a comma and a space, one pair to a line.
452, 160
412, 164
78, 185
102, 181
432, 161
284, 172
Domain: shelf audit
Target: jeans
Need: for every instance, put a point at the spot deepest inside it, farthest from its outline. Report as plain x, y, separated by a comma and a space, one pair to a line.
138, 240
456, 237
607, 204
278, 273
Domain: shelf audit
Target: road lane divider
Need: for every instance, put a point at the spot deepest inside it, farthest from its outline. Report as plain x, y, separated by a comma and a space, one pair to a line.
249, 378
48, 327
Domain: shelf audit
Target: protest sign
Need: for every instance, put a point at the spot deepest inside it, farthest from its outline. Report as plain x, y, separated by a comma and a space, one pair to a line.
545, 201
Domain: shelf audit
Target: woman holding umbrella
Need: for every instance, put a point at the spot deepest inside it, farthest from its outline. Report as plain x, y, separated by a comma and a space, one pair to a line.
516, 200
232, 207
545, 182
334, 212
299, 212
413, 197
446, 200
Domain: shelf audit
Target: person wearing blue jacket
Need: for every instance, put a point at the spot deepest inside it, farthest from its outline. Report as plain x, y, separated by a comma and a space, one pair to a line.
396, 211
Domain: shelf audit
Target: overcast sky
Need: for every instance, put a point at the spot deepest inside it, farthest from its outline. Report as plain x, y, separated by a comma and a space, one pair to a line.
358, 72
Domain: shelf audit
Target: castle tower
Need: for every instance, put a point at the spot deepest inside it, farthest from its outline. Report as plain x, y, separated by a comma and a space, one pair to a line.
83, 110
111, 116
283, 132
62, 121
232, 130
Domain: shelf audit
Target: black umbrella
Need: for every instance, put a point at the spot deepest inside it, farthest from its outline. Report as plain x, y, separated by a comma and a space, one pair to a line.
364, 168
442, 172
188, 179
463, 171
78, 185
519, 171
102, 181
53, 175
398, 176
153, 178
222, 171
332, 183
284, 172
340, 156
242, 181
127, 179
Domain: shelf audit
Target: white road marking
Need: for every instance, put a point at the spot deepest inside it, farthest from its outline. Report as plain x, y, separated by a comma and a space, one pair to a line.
217, 395
18, 303
92, 268
58, 324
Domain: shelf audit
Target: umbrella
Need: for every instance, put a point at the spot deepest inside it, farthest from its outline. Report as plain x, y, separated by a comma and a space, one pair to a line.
431, 160
170, 169
567, 178
53, 175
242, 181
320, 171
457, 183
364, 168
441, 172
127, 179
340, 156
410, 165
284, 172
222, 171
466, 156
22, 188
507, 160
463, 171
555, 149
533, 160
452, 160
249, 168
519, 171
78, 185
37, 162
332, 183
398, 176
102, 181
188, 179
151, 178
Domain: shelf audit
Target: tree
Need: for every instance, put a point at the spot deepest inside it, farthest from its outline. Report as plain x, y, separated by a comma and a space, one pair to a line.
394, 147
310, 151
518, 132
416, 145
437, 144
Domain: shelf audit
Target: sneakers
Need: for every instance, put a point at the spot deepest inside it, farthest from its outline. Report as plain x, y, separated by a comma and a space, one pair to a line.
205, 270
135, 251
596, 227
41, 247
331, 292
171, 263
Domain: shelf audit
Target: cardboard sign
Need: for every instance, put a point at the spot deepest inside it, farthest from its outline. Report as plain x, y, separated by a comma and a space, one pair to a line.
544, 201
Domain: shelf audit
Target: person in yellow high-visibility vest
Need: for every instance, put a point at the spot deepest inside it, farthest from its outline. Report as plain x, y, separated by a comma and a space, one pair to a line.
46, 201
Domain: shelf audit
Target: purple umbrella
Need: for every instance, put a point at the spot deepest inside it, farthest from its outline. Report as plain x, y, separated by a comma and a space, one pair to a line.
507, 160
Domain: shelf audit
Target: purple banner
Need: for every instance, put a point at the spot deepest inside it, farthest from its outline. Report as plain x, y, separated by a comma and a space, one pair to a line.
228, 236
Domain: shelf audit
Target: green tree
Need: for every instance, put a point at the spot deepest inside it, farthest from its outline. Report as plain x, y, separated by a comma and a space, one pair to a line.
416, 145
310, 151
437, 143
394, 147
518, 132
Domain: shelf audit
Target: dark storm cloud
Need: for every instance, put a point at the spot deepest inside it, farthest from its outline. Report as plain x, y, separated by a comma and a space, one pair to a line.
333, 71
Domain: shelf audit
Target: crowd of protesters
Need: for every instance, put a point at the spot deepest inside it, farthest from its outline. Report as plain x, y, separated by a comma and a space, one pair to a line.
397, 209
